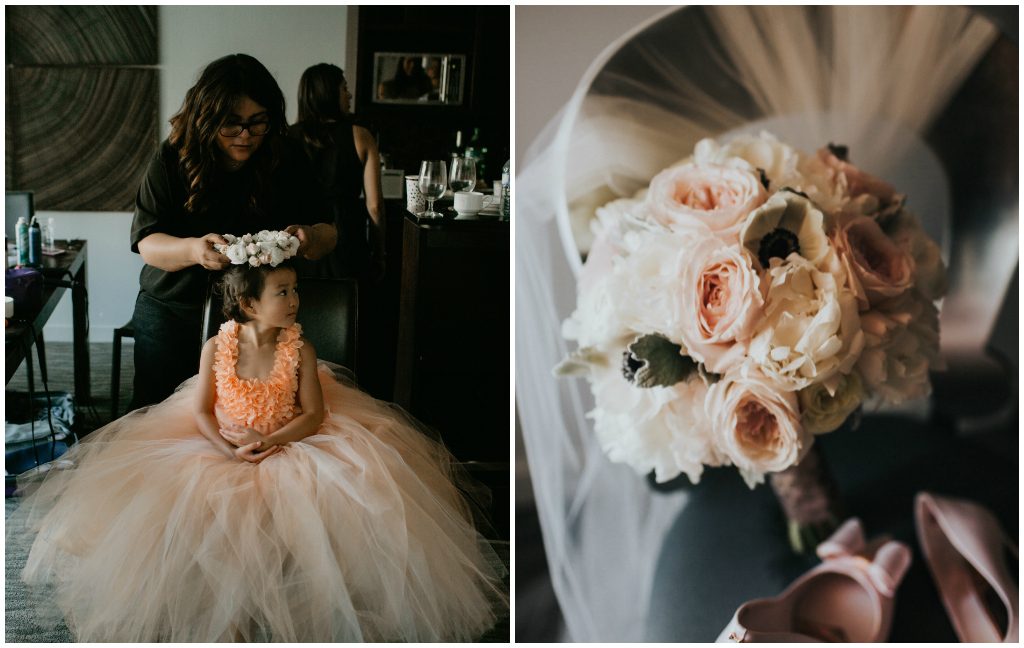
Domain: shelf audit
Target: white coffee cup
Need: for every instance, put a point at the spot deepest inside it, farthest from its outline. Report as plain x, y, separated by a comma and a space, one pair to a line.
414, 200
468, 203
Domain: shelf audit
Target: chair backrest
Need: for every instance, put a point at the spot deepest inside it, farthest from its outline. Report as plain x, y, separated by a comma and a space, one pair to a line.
328, 310
17, 204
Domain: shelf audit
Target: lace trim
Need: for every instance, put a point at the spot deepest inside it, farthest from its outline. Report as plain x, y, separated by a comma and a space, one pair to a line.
257, 402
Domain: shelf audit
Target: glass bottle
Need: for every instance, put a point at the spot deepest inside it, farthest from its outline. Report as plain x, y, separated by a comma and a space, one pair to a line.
506, 197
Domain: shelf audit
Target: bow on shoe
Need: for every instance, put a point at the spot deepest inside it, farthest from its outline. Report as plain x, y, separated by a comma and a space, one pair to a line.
884, 561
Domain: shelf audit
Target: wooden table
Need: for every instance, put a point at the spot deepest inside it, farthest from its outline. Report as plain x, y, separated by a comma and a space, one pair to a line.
60, 273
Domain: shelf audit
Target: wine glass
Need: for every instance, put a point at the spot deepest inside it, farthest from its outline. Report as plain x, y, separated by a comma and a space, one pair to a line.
433, 179
463, 176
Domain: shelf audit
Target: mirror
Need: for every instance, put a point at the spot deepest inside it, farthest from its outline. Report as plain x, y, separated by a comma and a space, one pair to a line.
421, 79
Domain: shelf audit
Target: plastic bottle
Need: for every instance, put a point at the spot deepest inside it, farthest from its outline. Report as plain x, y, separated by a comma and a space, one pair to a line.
506, 198
21, 240
35, 243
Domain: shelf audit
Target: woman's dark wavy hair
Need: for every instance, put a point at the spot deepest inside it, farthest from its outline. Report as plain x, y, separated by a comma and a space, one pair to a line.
240, 282
207, 106
320, 102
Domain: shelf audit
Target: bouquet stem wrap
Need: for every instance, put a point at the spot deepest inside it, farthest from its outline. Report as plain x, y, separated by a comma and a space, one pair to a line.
809, 497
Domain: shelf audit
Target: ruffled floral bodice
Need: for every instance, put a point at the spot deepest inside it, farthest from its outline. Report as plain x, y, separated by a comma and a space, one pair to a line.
262, 404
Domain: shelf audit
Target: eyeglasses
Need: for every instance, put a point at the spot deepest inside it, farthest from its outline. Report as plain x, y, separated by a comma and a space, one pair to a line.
255, 129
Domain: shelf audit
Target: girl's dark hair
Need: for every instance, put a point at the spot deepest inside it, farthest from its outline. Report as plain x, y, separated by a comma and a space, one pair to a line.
206, 108
241, 282
320, 102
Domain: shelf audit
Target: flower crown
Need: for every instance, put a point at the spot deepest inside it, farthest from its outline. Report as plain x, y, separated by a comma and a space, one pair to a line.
259, 249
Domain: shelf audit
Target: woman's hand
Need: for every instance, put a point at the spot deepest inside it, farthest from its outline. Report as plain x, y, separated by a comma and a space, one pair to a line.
204, 254
305, 235
242, 436
314, 240
251, 452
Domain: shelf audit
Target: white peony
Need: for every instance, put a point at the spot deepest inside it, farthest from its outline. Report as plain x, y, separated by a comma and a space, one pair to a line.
778, 161
660, 429
810, 330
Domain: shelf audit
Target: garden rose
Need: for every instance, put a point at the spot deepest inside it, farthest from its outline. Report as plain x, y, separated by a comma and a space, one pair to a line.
929, 271
837, 182
713, 198
756, 426
810, 330
717, 303
876, 267
822, 411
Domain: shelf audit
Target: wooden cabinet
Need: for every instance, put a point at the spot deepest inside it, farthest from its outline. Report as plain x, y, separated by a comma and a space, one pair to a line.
452, 370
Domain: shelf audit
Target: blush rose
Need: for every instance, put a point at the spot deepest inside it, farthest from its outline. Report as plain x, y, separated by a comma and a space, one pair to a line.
711, 198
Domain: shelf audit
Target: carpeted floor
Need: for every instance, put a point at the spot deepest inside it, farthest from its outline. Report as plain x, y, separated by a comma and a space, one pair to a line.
21, 626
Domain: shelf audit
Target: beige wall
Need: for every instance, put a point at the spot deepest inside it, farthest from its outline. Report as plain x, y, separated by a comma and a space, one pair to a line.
554, 47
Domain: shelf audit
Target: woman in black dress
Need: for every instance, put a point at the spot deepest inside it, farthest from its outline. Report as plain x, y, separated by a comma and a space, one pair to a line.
347, 165
227, 167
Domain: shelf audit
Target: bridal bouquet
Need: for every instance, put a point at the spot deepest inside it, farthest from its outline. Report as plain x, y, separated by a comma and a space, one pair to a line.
752, 297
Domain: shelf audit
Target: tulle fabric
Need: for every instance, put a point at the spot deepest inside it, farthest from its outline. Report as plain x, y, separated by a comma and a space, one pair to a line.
355, 533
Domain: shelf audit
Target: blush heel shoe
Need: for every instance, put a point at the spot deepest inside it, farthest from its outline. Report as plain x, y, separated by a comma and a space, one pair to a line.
848, 597
963, 545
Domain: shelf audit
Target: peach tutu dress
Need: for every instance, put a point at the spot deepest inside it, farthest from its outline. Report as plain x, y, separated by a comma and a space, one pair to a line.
357, 532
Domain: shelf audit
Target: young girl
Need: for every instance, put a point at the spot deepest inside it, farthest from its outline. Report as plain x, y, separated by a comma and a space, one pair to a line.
263, 500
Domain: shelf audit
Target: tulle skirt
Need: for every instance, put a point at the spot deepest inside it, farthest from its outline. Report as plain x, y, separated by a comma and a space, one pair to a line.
355, 533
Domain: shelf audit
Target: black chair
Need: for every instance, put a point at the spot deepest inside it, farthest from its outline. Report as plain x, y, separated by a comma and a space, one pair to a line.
128, 330
328, 313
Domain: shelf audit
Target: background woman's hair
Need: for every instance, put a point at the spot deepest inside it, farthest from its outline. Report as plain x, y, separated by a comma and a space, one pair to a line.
320, 102
241, 282
206, 108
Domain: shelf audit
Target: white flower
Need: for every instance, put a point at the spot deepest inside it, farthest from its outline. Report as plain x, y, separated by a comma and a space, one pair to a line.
635, 295
663, 429
276, 256
777, 160
810, 330
787, 222
756, 425
261, 248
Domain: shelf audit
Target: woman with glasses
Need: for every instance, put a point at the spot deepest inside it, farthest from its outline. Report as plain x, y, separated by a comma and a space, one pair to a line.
226, 167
